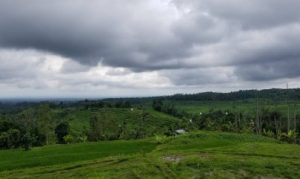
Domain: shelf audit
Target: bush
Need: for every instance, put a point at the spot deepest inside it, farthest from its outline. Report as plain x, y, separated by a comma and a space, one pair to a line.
27, 141
268, 133
82, 138
161, 139
288, 137
61, 131
68, 139
4, 137
292, 136
10, 139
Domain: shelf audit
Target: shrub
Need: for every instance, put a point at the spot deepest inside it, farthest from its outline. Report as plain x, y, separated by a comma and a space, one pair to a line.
268, 133
27, 141
161, 139
292, 135
68, 139
288, 137
4, 137
61, 131
82, 138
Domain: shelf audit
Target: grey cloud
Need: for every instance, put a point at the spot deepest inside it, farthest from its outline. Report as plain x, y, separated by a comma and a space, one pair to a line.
118, 72
190, 42
120, 33
201, 76
73, 67
270, 71
268, 55
254, 14
17, 66
255, 46
88, 32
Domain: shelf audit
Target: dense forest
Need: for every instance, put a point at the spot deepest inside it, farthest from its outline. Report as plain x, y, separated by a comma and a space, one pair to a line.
274, 94
271, 94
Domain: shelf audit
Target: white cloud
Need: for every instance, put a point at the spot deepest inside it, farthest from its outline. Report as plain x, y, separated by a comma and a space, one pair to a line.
31, 70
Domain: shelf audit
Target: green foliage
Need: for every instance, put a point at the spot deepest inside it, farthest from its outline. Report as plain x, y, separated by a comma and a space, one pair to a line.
161, 139
4, 137
47, 124
27, 141
83, 138
273, 94
61, 131
269, 118
68, 139
10, 139
268, 133
114, 119
168, 108
102, 128
44, 121
288, 137
14, 137
135, 123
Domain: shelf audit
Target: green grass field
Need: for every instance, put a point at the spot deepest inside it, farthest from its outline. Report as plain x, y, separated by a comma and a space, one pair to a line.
199, 154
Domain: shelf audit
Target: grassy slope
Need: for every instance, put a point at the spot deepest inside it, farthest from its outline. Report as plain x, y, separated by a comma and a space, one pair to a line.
199, 154
79, 119
49, 155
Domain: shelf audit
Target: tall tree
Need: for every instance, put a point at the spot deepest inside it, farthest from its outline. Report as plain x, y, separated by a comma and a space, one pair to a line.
45, 124
61, 131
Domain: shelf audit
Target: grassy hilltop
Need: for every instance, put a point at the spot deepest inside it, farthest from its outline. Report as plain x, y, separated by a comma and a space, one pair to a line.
193, 155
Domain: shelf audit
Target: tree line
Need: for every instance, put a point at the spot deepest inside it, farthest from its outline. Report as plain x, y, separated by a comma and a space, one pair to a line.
273, 94
266, 121
46, 123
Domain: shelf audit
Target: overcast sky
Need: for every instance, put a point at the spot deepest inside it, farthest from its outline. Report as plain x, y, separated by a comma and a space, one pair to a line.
113, 48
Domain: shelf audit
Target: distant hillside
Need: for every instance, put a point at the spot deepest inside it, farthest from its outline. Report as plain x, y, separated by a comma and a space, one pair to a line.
274, 94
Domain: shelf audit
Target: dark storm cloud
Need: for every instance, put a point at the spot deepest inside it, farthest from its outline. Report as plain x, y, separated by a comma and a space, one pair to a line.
118, 33
257, 40
270, 71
